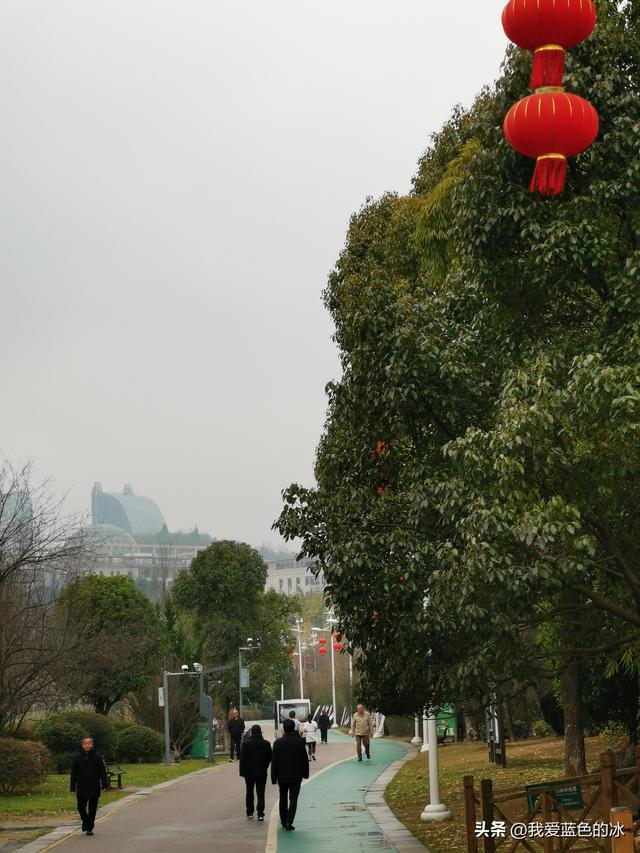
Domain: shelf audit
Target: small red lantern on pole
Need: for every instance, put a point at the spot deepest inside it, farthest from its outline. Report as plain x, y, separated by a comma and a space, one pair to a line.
322, 641
322, 650
551, 127
337, 647
549, 28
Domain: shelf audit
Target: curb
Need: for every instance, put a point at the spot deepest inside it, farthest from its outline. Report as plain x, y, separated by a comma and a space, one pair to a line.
51, 839
402, 838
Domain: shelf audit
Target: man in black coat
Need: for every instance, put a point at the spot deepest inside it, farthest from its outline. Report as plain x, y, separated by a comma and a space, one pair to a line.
289, 766
235, 727
255, 759
88, 776
324, 724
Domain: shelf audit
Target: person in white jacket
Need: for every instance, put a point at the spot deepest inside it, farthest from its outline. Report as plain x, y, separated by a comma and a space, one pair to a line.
310, 728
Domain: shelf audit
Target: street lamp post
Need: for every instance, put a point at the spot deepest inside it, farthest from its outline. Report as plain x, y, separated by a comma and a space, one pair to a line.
425, 732
416, 739
251, 645
205, 702
298, 630
435, 810
331, 621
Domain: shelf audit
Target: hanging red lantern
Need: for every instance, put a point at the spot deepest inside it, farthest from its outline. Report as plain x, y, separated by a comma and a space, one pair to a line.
337, 647
337, 635
323, 641
551, 127
322, 650
548, 27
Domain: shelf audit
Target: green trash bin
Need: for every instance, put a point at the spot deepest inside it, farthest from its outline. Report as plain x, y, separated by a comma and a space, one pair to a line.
200, 745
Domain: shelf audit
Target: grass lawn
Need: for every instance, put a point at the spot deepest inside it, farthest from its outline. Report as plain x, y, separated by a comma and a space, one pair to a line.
53, 799
533, 760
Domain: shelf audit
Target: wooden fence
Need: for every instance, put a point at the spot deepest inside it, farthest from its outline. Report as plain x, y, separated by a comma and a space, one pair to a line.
580, 800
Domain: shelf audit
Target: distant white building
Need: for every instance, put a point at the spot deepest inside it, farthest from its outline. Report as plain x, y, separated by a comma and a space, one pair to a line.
293, 576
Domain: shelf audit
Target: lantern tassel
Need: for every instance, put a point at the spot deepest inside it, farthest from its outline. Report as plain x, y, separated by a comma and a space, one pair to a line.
549, 175
548, 66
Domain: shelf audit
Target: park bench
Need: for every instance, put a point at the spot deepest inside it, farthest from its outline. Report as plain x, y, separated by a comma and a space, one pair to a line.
114, 770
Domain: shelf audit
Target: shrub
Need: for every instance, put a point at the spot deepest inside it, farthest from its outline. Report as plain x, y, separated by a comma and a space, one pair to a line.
62, 733
615, 734
23, 764
522, 729
140, 743
541, 728
59, 734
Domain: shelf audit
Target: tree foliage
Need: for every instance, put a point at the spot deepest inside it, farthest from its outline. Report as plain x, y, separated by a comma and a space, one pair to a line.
119, 638
491, 339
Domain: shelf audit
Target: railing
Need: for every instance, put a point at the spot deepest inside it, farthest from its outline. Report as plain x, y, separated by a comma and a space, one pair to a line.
579, 802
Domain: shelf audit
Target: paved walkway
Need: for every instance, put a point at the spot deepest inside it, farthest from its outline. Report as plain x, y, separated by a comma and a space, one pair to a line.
341, 810
204, 811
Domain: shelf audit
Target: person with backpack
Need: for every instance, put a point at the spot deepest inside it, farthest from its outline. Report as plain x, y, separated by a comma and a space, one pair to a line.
255, 759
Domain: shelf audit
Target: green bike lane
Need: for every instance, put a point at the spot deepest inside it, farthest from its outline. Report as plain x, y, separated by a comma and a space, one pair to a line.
332, 814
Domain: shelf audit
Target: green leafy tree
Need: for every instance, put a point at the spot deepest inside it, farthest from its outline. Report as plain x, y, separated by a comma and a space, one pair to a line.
490, 338
221, 590
119, 638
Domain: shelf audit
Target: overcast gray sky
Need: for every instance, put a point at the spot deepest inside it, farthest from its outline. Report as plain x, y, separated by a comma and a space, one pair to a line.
176, 179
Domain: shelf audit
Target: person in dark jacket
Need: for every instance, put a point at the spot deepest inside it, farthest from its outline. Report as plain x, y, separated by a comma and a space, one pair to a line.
255, 759
324, 724
235, 727
88, 776
289, 766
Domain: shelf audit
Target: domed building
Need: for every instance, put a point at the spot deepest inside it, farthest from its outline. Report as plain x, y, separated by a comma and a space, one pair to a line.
134, 514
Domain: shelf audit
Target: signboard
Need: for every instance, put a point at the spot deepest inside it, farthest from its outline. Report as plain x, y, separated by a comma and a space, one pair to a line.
206, 706
244, 677
569, 797
301, 707
161, 697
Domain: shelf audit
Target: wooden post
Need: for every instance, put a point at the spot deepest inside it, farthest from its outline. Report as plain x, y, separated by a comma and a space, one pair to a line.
486, 806
624, 844
470, 814
636, 752
548, 843
607, 769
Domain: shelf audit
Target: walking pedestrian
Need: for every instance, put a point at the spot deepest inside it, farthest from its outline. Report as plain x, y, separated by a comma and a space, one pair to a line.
324, 724
362, 729
88, 776
255, 759
235, 727
310, 728
296, 723
289, 766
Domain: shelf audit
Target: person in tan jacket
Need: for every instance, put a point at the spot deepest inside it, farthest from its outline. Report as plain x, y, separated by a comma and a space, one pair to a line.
362, 729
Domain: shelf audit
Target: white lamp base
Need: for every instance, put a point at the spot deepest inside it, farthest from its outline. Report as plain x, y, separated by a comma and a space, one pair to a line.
425, 747
416, 740
436, 812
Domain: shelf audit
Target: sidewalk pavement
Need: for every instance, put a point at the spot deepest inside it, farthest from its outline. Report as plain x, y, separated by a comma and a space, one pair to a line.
205, 811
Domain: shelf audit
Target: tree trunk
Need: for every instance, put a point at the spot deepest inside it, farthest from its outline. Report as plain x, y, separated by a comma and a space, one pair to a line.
575, 761
508, 718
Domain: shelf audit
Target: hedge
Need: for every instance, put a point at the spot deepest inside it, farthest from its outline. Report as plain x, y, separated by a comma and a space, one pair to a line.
140, 743
23, 764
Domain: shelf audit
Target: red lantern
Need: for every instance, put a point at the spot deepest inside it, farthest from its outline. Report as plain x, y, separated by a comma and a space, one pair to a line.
548, 27
323, 641
322, 650
337, 647
551, 127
